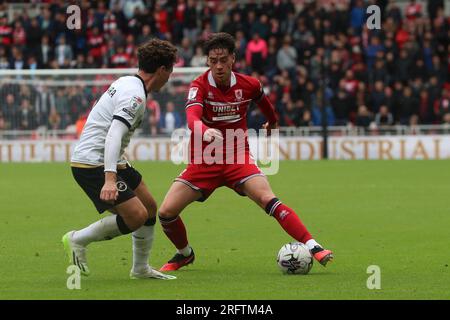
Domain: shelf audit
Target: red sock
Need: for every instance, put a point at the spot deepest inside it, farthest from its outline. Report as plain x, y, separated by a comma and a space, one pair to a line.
290, 222
175, 231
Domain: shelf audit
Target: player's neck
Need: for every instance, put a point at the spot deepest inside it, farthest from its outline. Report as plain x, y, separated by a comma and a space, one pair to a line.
148, 80
223, 85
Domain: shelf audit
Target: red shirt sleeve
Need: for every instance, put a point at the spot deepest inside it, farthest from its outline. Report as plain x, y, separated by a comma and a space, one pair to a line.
264, 104
193, 115
194, 106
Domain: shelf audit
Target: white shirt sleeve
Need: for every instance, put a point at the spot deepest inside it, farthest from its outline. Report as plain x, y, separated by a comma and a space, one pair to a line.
113, 144
128, 107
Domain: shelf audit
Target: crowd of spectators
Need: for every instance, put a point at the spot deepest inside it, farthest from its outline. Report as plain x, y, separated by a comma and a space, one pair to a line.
309, 55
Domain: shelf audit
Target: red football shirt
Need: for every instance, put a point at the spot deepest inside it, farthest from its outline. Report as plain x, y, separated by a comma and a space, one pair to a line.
226, 108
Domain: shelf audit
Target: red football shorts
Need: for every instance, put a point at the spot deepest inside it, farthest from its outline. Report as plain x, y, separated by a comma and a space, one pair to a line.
206, 178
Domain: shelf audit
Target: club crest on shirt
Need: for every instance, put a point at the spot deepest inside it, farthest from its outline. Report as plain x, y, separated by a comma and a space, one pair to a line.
238, 94
210, 95
192, 93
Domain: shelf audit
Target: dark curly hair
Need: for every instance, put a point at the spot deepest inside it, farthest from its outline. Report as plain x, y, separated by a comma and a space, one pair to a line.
220, 40
156, 53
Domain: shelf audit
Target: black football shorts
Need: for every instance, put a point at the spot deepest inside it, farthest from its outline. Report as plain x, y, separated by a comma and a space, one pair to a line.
91, 180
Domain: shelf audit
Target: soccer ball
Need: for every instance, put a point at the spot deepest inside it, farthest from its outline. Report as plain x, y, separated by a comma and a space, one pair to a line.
295, 258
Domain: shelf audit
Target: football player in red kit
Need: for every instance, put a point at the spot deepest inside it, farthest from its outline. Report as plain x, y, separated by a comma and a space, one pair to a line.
216, 109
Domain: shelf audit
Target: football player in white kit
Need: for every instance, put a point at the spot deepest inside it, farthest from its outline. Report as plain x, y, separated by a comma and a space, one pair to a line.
100, 168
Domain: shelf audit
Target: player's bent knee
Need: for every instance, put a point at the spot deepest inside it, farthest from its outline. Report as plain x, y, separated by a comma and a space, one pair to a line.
165, 213
137, 219
141, 216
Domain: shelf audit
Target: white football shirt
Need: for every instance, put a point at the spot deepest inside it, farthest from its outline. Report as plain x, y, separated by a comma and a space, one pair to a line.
125, 100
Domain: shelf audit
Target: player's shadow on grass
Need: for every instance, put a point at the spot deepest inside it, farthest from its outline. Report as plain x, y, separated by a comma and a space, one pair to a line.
311, 274
322, 273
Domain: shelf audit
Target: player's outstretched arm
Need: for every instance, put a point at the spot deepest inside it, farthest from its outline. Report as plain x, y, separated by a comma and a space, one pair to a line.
113, 143
269, 112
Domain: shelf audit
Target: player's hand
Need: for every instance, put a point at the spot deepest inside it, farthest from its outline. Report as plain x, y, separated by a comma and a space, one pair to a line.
212, 134
109, 191
269, 127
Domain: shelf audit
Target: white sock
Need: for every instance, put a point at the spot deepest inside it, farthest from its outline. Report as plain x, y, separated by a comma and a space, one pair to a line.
186, 251
142, 244
103, 229
311, 244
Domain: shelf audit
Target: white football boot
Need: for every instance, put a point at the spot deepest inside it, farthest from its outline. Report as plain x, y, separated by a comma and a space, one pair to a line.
75, 253
150, 273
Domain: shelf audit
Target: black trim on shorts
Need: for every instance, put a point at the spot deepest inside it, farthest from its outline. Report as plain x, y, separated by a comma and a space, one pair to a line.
91, 180
122, 120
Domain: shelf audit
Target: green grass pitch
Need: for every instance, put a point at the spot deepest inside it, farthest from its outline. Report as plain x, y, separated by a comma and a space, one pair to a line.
393, 214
